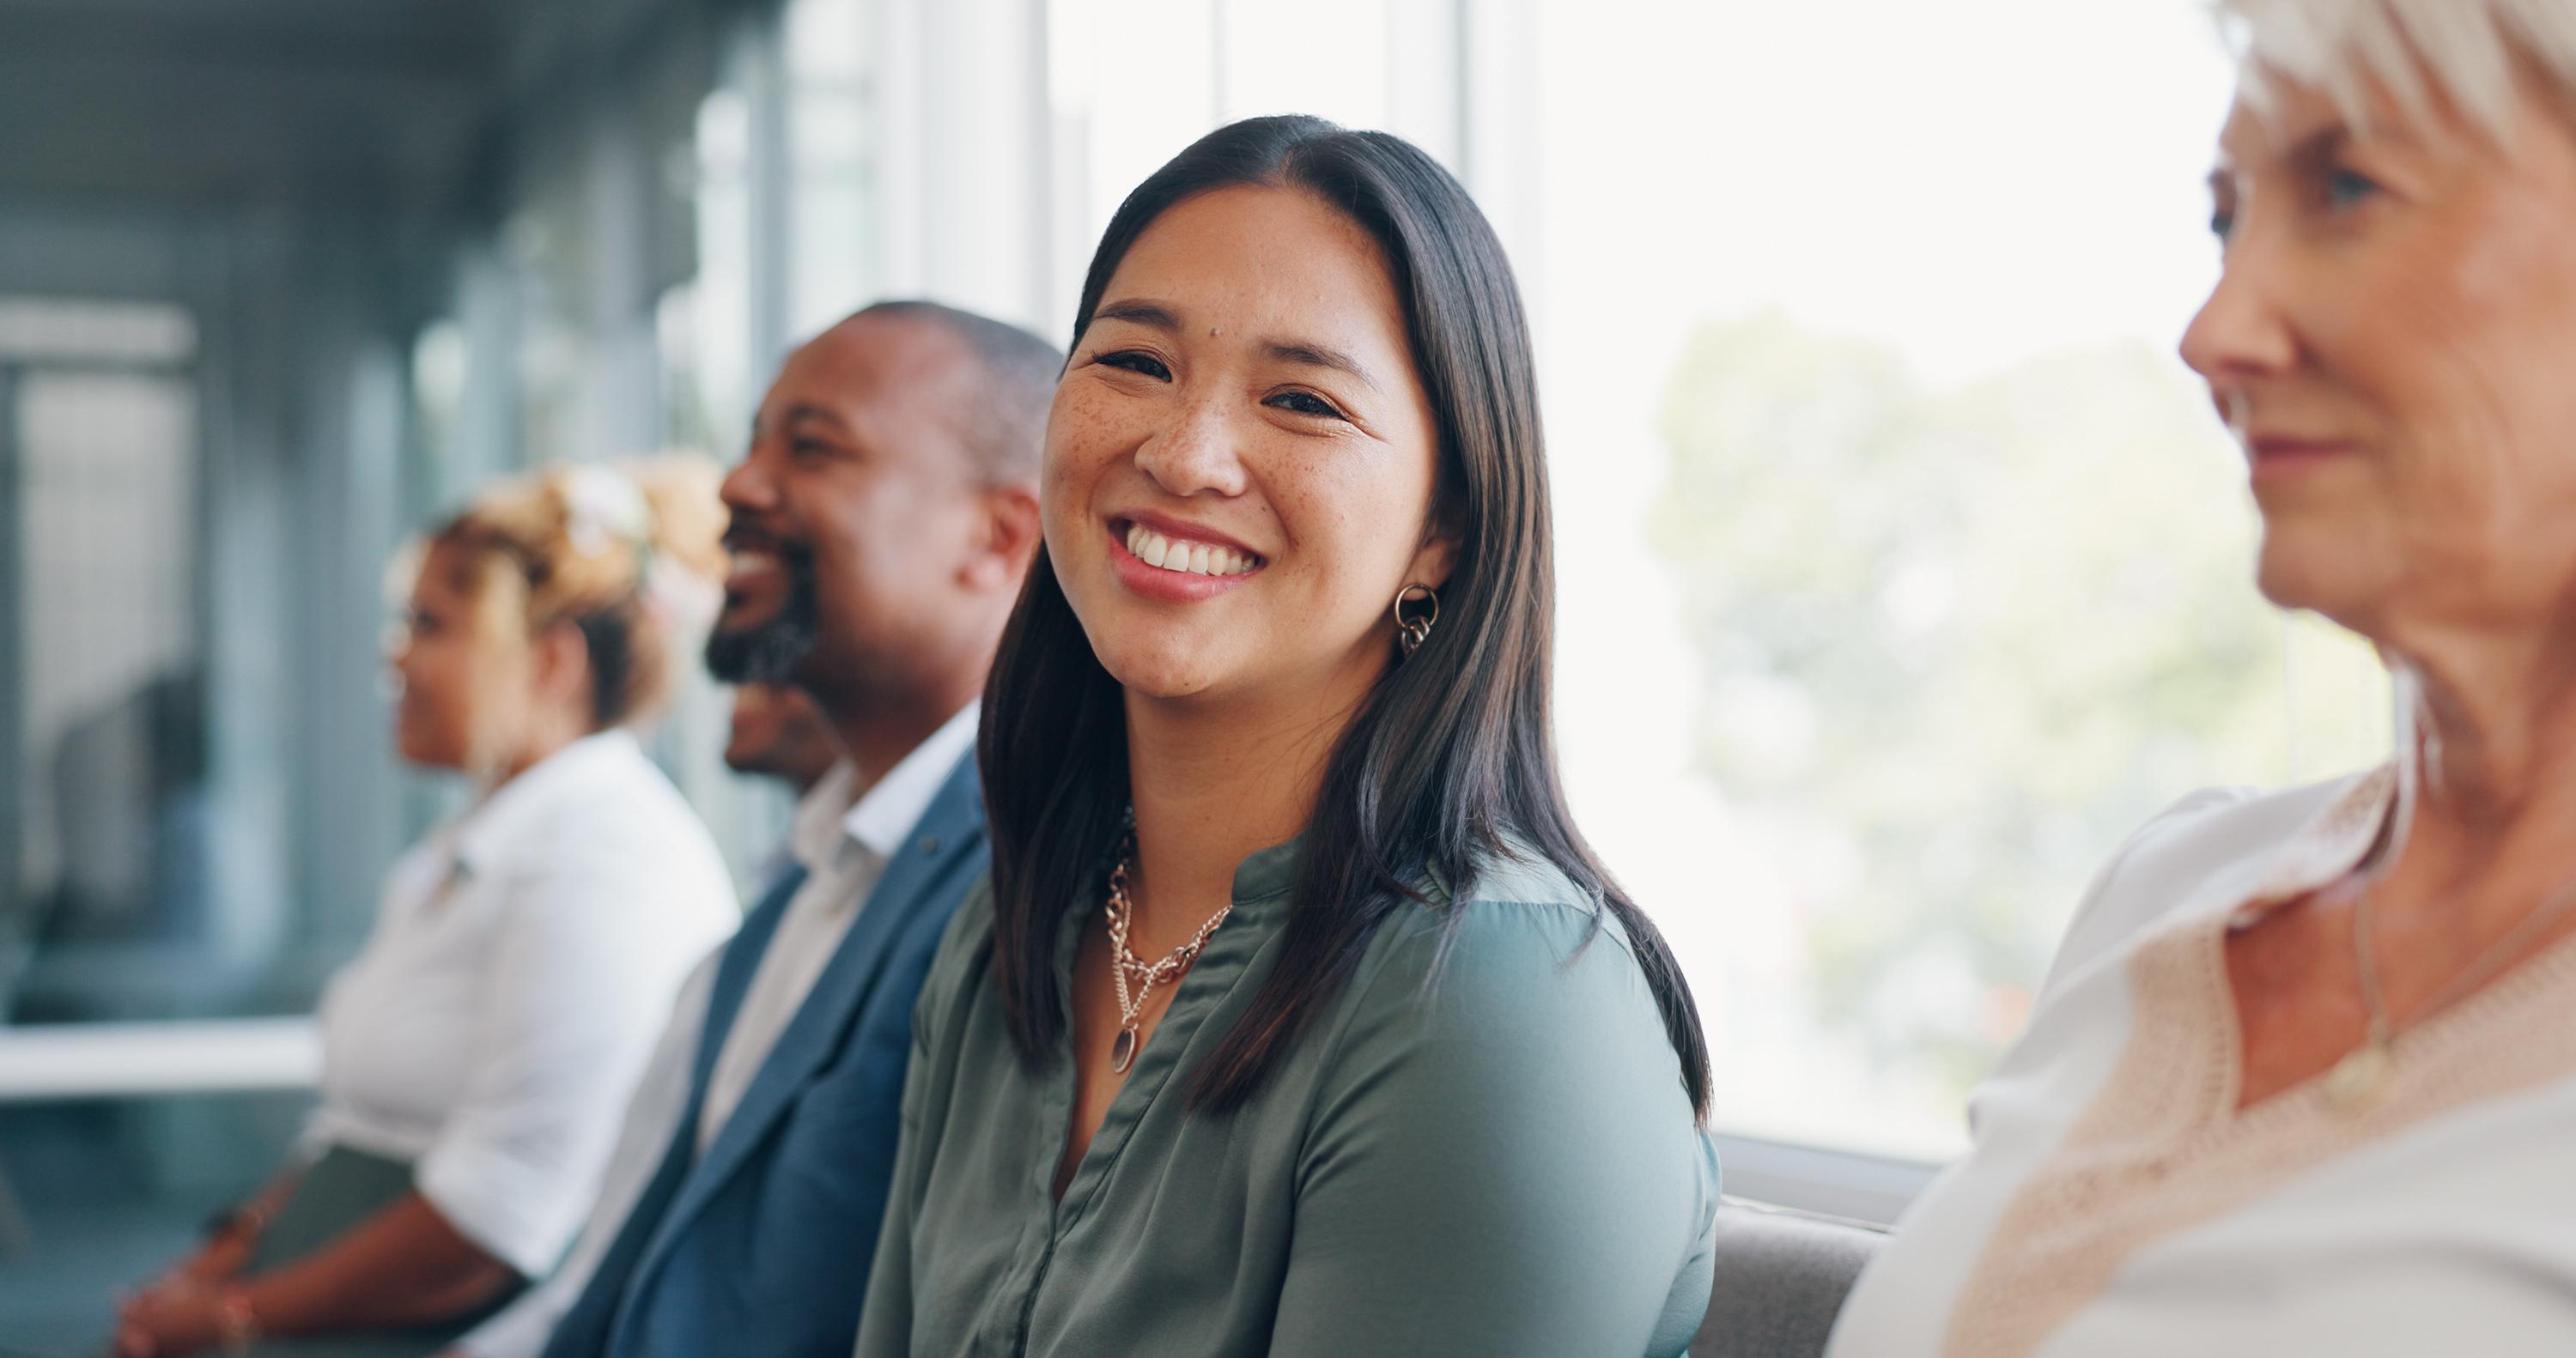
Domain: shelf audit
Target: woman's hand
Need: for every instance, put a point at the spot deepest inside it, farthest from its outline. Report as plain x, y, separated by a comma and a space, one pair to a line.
222, 1257
176, 1317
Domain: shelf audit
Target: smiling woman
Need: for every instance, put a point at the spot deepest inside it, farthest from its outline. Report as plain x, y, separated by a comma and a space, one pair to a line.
1299, 1019
1226, 399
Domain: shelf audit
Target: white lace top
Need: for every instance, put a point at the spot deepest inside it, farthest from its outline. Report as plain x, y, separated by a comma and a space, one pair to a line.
2118, 1203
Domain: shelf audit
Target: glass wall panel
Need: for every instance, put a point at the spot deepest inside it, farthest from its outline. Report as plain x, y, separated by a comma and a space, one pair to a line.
110, 912
1905, 568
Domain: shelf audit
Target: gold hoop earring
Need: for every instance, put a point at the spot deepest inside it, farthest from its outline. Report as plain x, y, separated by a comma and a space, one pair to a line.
1411, 632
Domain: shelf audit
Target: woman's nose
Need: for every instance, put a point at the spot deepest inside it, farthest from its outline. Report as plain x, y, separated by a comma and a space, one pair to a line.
2241, 332
393, 676
1199, 454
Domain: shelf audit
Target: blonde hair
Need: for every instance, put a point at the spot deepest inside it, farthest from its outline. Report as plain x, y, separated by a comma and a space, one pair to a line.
2422, 54
629, 553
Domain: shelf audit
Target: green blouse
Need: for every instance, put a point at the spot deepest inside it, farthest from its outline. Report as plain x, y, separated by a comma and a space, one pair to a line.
1502, 1163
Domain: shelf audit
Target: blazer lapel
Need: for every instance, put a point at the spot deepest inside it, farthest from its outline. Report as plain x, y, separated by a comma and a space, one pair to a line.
586, 1329
733, 982
945, 832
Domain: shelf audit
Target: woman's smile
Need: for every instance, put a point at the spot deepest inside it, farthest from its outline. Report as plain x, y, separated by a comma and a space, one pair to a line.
1173, 562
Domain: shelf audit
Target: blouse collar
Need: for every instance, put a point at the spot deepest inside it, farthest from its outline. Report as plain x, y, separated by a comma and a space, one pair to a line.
2340, 837
1267, 873
486, 832
1261, 879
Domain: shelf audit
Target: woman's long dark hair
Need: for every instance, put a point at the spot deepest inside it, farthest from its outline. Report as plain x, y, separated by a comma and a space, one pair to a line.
1448, 755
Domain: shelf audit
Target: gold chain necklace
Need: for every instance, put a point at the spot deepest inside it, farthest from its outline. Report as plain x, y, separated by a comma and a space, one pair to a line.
1135, 977
2359, 1076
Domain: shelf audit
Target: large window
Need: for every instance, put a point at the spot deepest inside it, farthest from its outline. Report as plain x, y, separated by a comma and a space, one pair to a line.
1906, 569
1129, 86
107, 910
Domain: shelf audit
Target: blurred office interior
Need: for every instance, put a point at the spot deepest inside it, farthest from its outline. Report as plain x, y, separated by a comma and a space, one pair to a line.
1903, 567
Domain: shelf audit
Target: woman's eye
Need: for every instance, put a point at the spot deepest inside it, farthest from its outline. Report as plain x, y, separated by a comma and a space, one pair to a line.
1137, 361
2345, 188
1305, 403
808, 448
2222, 223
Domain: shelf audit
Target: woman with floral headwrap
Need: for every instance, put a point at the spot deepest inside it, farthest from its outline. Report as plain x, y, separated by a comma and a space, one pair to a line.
478, 1051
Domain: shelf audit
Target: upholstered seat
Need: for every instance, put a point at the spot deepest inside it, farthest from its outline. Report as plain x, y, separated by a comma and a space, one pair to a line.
1781, 1277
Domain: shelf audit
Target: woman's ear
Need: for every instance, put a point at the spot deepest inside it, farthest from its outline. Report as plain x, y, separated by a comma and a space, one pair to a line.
559, 666
1437, 558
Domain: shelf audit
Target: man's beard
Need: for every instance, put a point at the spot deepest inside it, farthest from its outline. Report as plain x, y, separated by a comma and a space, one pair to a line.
770, 652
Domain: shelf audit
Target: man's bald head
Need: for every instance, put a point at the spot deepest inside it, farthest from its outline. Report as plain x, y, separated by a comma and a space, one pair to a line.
998, 378
885, 511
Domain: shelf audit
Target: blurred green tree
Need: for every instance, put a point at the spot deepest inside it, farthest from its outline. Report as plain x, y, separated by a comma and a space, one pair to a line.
1957, 645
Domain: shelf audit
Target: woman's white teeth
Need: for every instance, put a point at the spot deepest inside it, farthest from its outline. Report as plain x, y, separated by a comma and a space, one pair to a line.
1189, 558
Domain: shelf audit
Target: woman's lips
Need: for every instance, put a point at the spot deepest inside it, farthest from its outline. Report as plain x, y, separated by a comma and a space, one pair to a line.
1166, 586
2273, 458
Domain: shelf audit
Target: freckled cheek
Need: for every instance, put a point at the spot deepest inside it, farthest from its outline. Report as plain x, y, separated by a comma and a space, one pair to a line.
1086, 435
1355, 529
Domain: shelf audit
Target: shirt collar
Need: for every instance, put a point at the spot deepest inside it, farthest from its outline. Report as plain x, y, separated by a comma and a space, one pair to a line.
886, 813
1268, 872
1262, 882
485, 831
815, 835
2331, 844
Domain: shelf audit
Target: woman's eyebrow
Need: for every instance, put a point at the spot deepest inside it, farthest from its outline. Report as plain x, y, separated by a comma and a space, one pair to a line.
2319, 148
1320, 356
1153, 315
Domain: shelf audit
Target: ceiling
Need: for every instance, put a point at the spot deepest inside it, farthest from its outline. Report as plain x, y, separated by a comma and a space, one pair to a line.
457, 38
367, 104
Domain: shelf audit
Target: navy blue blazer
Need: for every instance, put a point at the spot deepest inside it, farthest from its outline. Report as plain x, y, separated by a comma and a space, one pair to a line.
761, 1247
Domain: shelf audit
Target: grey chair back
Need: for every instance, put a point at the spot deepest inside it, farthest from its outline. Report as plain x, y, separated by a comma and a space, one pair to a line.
1781, 1279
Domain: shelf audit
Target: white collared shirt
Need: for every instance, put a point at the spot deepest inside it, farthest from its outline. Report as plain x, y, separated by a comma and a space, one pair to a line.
842, 854
493, 1026
827, 827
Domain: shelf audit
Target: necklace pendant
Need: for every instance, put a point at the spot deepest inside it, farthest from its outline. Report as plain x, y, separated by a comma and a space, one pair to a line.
1122, 1053
2357, 1079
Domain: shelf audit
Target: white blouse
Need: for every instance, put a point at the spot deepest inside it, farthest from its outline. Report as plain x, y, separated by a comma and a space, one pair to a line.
2118, 1204
522, 963
842, 847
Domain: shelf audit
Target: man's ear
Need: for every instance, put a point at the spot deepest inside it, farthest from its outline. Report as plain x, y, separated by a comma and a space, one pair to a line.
1008, 530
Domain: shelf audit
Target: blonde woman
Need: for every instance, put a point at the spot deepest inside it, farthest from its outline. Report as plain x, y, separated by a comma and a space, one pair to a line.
478, 1051
2303, 1077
